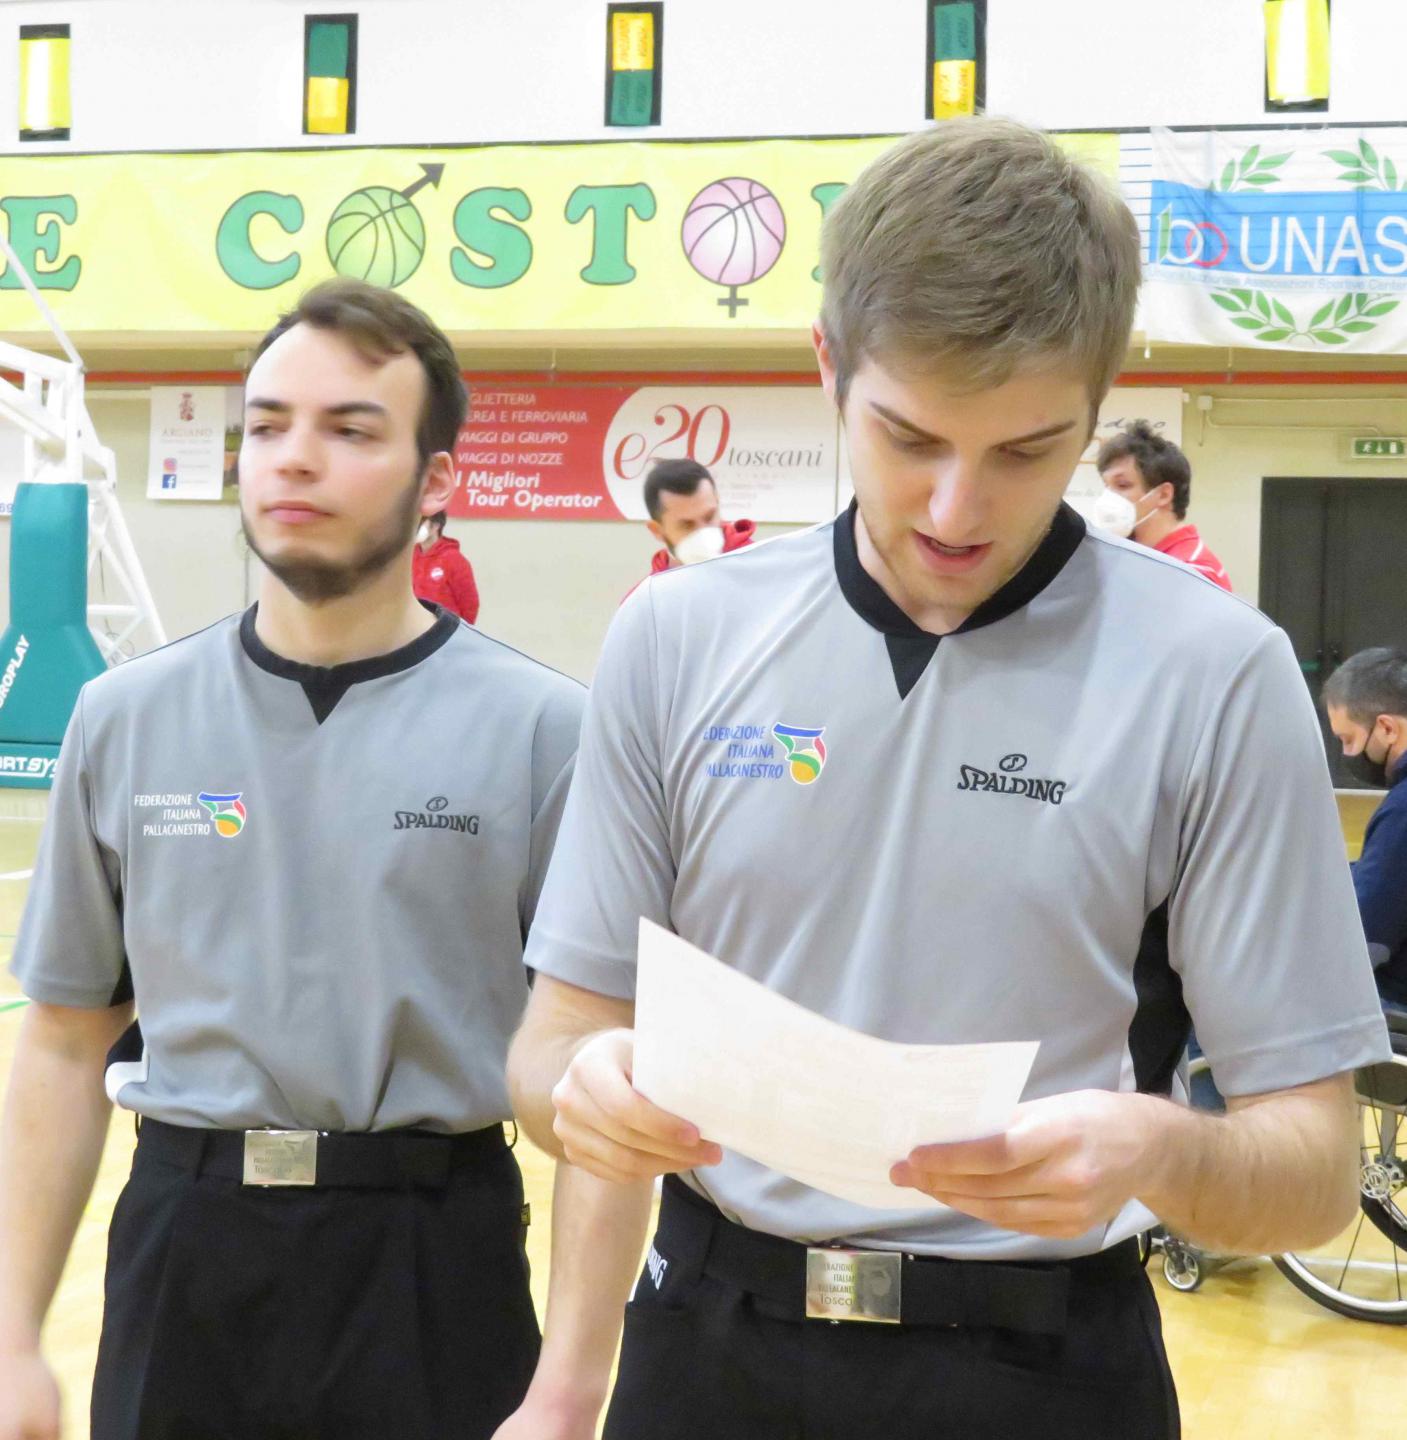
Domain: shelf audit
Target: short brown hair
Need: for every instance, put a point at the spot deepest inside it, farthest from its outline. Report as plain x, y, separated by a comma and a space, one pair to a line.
1159, 462
1368, 684
976, 247
380, 324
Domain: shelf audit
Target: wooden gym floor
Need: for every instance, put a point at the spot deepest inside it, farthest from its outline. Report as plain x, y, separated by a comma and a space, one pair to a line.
1251, 1355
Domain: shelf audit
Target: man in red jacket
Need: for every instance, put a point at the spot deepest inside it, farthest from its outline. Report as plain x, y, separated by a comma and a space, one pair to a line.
1147, 487
441, 573
683, 503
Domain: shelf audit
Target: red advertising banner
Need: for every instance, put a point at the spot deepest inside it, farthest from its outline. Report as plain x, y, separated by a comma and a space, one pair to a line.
536, 454
581, 452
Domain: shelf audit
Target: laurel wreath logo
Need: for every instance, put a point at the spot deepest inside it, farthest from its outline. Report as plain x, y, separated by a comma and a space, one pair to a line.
1253, 171
1365, 169
1270, 320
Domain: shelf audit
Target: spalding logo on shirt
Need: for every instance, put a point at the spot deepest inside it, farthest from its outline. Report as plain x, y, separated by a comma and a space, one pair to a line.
434, 817
1007, 779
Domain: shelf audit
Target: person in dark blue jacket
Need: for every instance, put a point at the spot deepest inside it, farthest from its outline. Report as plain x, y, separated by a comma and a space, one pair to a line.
1366, 701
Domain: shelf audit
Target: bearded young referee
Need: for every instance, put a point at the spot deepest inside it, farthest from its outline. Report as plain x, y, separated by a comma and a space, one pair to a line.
309, 840
1047, 786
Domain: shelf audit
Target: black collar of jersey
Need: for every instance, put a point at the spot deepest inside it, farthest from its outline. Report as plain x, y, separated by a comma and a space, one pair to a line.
910, 647
325, 685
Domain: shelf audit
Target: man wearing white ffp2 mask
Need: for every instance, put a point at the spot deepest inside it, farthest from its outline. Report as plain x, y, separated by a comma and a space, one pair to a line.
1117, 514
1147, 487
701, 544
682, 501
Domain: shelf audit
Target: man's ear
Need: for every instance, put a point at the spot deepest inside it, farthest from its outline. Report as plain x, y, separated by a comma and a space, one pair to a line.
1395, 728
657, 530
439, 483
824, 361
1163, 495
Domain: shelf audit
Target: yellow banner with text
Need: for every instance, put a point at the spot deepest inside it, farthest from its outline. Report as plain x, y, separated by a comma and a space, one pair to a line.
617, 236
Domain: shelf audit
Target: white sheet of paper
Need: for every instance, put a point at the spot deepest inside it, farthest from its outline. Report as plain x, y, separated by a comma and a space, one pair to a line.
801, 1094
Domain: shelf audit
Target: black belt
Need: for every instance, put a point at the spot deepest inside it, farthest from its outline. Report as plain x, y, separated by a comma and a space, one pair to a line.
389, 1159
1032, 1297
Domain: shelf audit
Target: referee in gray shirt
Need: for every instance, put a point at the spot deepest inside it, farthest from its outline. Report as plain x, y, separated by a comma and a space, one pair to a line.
308, 842
953, 770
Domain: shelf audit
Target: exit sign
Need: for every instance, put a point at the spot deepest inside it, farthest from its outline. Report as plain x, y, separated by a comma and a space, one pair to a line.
1379, 447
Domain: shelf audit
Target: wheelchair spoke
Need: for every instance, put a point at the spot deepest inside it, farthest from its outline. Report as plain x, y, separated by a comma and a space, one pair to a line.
1343, 1274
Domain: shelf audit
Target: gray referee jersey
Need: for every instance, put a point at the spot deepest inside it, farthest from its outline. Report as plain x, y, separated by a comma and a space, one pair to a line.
1097, 808
316, 881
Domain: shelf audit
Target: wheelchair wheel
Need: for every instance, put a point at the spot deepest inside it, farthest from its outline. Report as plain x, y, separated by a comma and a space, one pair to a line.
1182, 1269
1363, 1272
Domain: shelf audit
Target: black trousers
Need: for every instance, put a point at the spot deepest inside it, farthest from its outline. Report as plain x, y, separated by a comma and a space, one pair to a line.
707, 1358
325, 1313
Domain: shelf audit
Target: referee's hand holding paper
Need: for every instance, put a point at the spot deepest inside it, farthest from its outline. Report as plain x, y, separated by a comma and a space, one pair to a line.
817, 1101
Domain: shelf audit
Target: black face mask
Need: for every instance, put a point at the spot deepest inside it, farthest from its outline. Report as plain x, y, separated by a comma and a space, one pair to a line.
1372, 773
1365, 769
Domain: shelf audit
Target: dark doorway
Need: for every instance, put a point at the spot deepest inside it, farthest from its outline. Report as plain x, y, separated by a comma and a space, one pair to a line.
1333, 574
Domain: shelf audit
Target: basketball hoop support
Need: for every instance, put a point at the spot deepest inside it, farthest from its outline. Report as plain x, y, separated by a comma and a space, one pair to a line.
67, 521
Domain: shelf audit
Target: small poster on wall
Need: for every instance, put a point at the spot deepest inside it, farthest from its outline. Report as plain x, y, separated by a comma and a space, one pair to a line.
187, 455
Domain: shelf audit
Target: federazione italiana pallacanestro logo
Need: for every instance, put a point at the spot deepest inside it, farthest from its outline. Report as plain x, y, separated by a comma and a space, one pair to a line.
806, 751
166, 815
226, 811
765, 751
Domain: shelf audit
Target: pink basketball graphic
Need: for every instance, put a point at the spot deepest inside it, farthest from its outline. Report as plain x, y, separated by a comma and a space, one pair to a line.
733, 233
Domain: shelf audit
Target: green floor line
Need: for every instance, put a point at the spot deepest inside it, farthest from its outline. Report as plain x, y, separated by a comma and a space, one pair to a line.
12, 1005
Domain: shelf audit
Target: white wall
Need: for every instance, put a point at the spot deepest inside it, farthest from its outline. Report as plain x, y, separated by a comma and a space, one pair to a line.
227, 74
1111, 63
1255, 434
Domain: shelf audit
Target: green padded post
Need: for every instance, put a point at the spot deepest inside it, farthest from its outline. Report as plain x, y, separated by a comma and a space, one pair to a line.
47, 652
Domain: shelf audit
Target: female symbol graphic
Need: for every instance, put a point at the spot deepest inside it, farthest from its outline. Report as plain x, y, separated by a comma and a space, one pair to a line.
733, 233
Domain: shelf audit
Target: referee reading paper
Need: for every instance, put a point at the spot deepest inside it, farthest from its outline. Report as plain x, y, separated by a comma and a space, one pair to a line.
951, 769
310, 840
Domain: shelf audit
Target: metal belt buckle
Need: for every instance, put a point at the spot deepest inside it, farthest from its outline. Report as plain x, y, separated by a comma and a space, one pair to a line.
280, 1157
853, 1285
